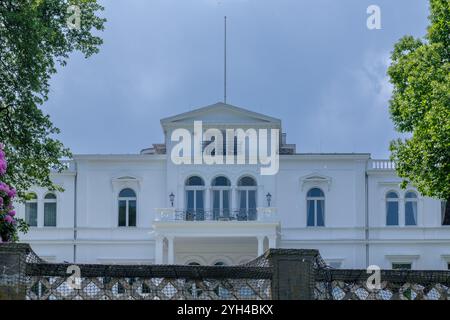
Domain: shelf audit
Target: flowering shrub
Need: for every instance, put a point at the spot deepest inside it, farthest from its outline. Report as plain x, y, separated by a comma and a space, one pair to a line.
10, 225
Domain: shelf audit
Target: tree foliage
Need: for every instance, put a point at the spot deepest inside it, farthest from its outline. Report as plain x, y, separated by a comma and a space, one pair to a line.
420, 105
36, 38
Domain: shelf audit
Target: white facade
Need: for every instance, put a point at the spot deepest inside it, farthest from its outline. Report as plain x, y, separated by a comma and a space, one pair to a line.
354, 190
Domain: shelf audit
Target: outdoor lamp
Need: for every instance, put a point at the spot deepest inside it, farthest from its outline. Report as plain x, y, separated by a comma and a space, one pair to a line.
171, 198
268, 197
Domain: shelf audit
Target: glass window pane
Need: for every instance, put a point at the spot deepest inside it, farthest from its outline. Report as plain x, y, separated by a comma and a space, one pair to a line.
310, 213
190, 200
31, 214
401, 266
315, 192
195, 181
221, 181
199, 201
226, 202
216, 199
122, 213
445, 210
246, 182
243, 199
50, 214
252, 205
410, 195
392, 195
320, 213
392, 213
132, 213
252, 199
411, 213
50, 196
127, 193
200, 213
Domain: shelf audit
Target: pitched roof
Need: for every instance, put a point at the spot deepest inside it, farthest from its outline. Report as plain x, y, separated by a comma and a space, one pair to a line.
220, 106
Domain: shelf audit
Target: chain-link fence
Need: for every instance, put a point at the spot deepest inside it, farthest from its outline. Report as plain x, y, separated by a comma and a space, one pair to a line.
278, 274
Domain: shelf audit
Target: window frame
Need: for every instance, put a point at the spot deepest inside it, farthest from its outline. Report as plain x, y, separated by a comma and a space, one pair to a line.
410, 263
386, 201
315, 200
414, 200
36, 202
51, 200
127, 208
195, 188
246, 190
221, 189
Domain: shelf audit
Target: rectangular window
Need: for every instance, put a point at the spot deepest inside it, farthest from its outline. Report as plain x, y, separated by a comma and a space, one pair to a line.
50, 214
251, 204
320, 213
200, 210
392, 213
445, 210
132, 213
226, 203
122, 213
31, 214
401, 266
410, 213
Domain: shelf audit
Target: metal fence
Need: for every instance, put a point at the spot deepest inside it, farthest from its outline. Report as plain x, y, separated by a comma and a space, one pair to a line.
278, 274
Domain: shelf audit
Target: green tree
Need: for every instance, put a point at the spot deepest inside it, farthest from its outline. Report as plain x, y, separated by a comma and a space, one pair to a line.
37, 36
420, 105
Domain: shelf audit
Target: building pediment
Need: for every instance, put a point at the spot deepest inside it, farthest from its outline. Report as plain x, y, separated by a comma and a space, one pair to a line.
315, 179
221, 113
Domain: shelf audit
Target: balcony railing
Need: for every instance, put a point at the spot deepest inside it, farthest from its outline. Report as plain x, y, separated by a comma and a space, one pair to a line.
255, 214
217, 215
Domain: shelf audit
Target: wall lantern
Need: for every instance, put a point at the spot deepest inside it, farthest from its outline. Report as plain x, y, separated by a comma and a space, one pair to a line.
269, 198
171, 198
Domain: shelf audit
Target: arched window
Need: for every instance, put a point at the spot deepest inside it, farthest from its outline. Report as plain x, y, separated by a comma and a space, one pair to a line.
410, 208
315, 208
392, 209
220, 263
247, 198
127, 208
50, 210
221, 200
195, 198
193, 263
31, 210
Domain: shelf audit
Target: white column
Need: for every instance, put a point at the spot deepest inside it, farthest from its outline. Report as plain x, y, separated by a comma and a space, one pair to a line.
272, 242
260, 245
170, 251
159, 241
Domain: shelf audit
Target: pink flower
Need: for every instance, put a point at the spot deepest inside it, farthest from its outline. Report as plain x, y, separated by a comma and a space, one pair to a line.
8, 219
12, 193
12, 213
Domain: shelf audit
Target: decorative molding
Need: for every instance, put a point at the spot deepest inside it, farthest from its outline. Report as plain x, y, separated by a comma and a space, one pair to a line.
315, 179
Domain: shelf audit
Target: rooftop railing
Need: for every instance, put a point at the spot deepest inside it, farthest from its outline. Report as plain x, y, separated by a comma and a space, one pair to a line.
379, 164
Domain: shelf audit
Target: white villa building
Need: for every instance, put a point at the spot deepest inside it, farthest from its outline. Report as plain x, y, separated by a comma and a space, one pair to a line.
145, 208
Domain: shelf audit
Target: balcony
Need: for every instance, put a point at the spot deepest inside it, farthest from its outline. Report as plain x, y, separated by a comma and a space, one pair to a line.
257, 214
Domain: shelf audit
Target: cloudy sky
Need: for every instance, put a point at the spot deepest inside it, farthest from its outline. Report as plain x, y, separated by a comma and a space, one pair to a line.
312, 63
